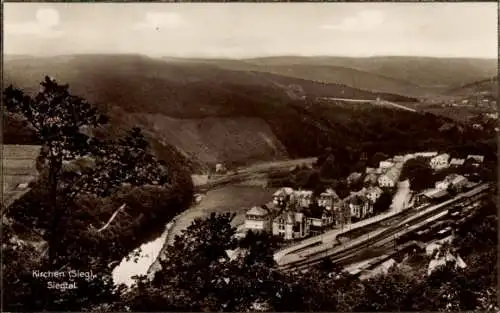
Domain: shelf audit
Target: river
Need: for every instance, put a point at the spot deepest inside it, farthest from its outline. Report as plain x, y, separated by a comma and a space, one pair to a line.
123, 273
232, 198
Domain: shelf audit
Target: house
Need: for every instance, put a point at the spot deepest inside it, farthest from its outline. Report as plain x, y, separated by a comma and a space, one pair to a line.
370, 170
493, 116
426, 154
476, 158
283, 195
258, 219
385, 164
359, 206
220, 168
440, 161
291, 225
441, 259
373, 193
451, 180
457, 162
303, 198
390, 178
318, 220
353, 177
432, 195
342, 215
442, 185
328, 199
459, 182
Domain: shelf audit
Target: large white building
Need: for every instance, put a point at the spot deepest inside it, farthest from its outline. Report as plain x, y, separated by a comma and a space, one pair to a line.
440, 161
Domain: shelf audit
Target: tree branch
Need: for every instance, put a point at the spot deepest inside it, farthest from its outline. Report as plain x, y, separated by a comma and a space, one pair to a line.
111, 219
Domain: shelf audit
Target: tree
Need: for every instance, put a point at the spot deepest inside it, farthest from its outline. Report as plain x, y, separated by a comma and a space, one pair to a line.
419, 172
377, 158
198, 274
383, 202
328, 169
64, 124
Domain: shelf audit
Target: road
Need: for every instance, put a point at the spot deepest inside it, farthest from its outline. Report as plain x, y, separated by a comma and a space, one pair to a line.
255, 171
399, 202
375, 102
428, 214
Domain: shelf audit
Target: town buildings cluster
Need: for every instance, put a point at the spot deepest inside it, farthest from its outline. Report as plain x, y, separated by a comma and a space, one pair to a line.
295, 214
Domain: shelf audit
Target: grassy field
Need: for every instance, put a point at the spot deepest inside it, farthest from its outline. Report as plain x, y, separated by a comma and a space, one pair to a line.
233, 199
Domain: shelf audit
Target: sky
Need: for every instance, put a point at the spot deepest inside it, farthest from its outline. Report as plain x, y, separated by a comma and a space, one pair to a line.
245, 30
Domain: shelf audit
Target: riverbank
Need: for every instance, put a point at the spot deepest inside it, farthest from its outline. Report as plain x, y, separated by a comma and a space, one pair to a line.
137, 266
229, 199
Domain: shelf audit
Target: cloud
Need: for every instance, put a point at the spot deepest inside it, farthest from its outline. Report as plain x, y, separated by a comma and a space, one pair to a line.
43, 26
158, 20
362, 21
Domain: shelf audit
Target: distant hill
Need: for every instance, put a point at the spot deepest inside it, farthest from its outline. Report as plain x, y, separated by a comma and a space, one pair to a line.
201, 114
487, 86
434, 73
319, 73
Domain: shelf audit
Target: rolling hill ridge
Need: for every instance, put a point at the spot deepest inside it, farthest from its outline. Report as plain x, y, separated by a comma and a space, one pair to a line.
203, 114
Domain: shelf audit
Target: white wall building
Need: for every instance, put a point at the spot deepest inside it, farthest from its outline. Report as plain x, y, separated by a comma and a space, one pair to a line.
440, 161
389, 179
385, 164
258, 219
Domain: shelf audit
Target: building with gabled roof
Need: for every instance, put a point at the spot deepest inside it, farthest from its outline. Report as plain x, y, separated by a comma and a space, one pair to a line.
303, 198
291, 225
359, 205
476, 158
455, 162
390, 178
373, 193
258, 219
328, 199
283, 195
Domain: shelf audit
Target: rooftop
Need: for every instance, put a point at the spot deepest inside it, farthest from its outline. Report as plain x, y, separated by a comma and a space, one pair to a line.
435, 193
457, 161
258, 211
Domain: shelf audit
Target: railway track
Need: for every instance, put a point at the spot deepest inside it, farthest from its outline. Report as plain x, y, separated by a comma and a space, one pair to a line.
426, 215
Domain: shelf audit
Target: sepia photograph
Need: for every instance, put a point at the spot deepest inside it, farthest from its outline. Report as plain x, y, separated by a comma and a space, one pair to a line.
243, 157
